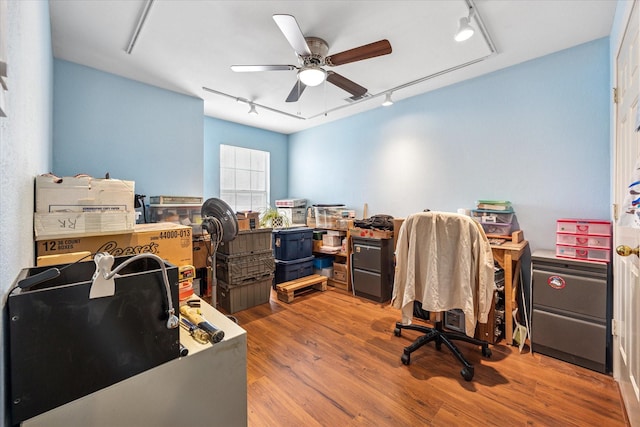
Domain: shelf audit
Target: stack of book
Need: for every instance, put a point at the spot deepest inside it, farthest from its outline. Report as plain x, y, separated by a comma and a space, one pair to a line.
495, 216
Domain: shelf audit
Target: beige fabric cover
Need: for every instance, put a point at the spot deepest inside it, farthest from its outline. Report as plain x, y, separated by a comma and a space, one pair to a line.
444, 260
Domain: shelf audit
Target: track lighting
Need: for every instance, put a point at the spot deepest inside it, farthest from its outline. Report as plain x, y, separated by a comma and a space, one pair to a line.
252, 109
465, 30
312, 76
387, 100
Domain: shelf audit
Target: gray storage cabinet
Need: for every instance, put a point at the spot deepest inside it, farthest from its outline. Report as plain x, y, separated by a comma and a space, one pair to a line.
572, 310
373, 268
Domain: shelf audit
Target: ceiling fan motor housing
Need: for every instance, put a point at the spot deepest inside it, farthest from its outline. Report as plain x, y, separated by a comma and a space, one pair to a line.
319, 49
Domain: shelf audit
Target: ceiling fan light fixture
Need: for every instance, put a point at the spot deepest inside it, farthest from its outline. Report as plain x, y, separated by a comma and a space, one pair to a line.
252, 109
387, 100
465, 30
312, 76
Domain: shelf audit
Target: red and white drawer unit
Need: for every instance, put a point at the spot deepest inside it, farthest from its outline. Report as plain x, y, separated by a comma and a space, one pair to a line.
585, 239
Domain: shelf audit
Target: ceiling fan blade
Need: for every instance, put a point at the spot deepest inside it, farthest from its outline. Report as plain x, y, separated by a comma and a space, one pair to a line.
344, 83
291, 30
371, 50
251, 68
296, 92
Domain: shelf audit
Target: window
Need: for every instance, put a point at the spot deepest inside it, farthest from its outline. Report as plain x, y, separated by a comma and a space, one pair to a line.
244, 178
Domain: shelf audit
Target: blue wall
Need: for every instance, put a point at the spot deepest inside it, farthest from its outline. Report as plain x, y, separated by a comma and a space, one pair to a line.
536, 133
218, 132
105, 123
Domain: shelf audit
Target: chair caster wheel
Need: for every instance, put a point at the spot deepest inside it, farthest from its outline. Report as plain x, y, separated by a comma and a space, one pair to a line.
397, 332
406, 359
486, 352
467, 373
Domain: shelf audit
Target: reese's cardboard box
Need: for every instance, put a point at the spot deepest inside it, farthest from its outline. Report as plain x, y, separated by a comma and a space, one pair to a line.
171, 242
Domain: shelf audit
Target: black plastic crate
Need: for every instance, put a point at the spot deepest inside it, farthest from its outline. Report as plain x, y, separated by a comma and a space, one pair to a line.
236, 270
248, 242
241, 297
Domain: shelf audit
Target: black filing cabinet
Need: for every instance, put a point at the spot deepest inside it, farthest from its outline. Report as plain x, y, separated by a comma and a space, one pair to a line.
572, 310
373, 268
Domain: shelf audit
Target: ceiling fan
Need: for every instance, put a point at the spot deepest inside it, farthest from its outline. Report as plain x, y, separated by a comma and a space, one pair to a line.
312, 56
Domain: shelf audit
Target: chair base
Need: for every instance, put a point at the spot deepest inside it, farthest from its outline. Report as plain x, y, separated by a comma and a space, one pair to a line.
440, 336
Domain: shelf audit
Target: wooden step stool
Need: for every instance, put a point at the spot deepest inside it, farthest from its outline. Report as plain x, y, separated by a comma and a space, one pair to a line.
286, 289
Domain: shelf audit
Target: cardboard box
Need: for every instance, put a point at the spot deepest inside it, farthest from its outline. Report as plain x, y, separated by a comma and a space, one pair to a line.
202, 250
172, 242
371, 233
244, 224
248, 220
63, 258
331, 241
83, 194
78, 224
340, 272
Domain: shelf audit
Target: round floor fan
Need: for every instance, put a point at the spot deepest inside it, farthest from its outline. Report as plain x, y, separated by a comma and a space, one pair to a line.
220, 221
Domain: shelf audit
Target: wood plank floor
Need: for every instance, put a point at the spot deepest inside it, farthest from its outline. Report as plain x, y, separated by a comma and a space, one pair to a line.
331, 359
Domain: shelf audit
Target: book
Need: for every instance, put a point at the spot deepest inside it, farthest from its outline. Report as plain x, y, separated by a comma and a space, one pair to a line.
489, 207
494, 205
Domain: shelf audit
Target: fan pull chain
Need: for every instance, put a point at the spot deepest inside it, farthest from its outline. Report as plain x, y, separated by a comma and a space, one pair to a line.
324, 94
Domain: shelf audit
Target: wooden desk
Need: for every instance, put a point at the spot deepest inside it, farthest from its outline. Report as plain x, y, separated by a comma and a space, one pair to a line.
508, 256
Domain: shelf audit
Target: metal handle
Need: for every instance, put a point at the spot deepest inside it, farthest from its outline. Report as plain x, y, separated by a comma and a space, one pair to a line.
624, 250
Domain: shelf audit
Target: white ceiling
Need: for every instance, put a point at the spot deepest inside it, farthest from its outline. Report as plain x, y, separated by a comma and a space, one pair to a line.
185, 46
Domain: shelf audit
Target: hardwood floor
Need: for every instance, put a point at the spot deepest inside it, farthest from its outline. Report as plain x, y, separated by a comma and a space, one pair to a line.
331, 359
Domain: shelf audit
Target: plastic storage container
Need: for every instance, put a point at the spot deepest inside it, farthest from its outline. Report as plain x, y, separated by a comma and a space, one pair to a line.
248, 242
179, 214
237, 298
492, 217
584, 239
322, 262
317, 234
578, 252
332, 216
497, 229
584, 226
237, 270
291, 270
591, 241
295, 216
292, 243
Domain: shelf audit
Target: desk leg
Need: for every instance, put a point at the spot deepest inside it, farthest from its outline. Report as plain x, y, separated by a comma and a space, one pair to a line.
508, 298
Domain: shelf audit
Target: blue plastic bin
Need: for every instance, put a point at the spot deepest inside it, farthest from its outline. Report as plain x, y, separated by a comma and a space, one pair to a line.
291, 270
292, 243
322, 262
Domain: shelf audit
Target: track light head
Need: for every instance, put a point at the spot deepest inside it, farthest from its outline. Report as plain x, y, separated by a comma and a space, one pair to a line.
465, 30
387, 100
252, 109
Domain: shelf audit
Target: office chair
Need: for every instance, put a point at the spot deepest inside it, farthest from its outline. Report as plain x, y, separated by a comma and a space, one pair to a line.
443, 261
